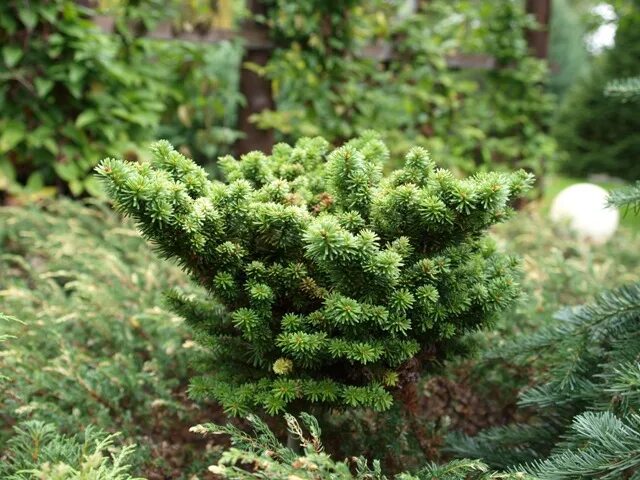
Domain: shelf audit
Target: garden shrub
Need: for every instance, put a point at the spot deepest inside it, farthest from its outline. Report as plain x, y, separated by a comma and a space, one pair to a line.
89, 343
70, 95
330, 283
598, 134
478, 391
584, 397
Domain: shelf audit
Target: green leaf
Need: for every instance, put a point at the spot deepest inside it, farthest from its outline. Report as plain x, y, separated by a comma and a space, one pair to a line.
7, 173
76, 73
49, 13
85, 118
12, 134
11, 55
43, 86
8, 24
51, 145
68, 171
28, 17
75, 90
35, 182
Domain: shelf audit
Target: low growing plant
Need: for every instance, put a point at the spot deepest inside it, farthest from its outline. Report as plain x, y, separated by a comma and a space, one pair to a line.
83, 340
38, 451
329, 284
269, 459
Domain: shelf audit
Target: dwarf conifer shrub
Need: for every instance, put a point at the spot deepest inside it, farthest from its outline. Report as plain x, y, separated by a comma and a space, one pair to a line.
601, 135
330, 283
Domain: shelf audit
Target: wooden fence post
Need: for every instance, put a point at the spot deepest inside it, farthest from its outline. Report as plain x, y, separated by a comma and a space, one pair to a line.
538, 40
256, 90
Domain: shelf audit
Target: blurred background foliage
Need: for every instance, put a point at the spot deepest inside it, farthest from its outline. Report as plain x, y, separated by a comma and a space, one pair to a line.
71, 94
84, 292
326, 83
596, 133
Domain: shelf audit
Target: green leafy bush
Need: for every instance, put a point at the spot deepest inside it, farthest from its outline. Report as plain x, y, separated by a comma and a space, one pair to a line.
71, 95
325, 83
68, 95
201, 117
478, 391
601, 135
337, 284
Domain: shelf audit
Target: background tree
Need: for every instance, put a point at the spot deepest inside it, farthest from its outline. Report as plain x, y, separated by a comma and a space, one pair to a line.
599, 135
585, 399
568, 55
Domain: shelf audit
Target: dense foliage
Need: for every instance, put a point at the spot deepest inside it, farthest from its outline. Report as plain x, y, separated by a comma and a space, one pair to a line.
557, 272
38, 451
69, 95
601, 135
470, 393
327, 82
585, 397
331, 280
89, 343
336, 283
72, 95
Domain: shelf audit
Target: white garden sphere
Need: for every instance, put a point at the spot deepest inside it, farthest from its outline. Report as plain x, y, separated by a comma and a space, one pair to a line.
583, 207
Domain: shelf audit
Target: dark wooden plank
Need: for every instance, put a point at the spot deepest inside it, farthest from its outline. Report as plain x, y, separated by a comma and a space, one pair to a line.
255, 88
253, 36
471, 61
383, 52
538, 39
